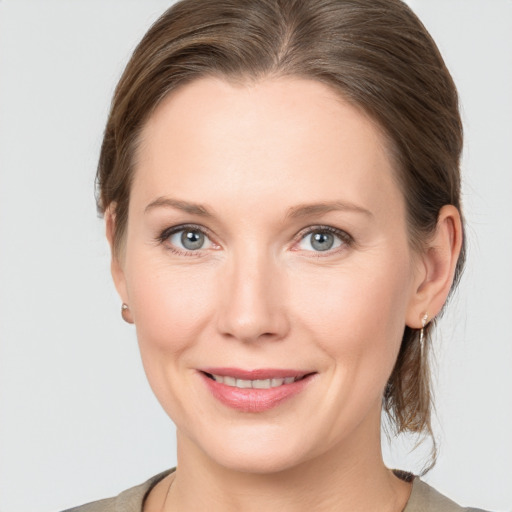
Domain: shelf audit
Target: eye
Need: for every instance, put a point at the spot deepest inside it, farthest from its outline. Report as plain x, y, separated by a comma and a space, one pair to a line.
184, 239
189, 239
322, 239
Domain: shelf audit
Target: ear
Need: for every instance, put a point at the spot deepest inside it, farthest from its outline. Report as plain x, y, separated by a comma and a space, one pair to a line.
436, 268
116, 265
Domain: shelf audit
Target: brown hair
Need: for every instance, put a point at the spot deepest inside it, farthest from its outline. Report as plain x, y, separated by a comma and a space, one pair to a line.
375, 53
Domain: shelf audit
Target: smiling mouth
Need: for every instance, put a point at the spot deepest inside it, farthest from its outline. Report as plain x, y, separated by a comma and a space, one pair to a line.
255, 391
254, 384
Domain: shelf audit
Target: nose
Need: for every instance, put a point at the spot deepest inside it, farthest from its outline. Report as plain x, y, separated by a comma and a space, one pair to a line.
252, 300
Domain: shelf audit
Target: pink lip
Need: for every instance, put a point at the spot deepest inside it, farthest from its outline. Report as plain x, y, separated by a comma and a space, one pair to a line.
251, 399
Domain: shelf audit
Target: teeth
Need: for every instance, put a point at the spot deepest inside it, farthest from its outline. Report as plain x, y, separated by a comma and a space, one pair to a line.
261, 384
230, 381
243, 383
256, 384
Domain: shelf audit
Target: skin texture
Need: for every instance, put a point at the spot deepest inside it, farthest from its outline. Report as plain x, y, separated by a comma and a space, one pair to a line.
258, 294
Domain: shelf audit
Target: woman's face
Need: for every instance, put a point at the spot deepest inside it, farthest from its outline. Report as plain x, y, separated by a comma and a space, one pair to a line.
267, 241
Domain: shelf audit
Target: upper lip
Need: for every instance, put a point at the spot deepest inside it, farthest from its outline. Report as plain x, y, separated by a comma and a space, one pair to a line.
256, 374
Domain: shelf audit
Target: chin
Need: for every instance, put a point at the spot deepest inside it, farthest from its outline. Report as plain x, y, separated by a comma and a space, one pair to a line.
257, 451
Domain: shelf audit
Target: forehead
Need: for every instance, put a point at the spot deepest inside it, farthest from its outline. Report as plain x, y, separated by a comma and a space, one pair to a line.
213, 139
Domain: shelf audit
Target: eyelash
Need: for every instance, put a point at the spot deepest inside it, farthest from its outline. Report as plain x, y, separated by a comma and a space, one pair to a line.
346, 239
167, 233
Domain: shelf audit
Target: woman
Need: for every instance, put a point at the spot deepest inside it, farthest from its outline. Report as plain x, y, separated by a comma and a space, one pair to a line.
280, 183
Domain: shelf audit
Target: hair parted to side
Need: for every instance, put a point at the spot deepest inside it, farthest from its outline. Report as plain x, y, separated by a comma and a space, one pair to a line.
375, 53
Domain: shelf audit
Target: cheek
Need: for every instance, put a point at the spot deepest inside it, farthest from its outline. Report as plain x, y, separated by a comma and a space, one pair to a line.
171, 308
170, 303
357, 313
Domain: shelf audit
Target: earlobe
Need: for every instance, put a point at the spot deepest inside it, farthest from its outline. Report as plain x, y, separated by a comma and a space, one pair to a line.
116, 267
437, 267
126, 314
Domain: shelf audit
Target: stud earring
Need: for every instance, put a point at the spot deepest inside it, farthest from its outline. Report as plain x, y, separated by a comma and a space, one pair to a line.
424, 321
126, 314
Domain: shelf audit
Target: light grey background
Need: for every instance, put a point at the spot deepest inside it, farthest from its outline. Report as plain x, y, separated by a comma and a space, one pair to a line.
77, 419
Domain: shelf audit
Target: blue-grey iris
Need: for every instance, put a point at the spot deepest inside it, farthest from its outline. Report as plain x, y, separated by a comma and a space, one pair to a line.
192, 240
322, 241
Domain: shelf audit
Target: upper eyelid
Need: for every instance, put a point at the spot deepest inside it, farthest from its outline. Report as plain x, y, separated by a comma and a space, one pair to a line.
344, 235
167, 232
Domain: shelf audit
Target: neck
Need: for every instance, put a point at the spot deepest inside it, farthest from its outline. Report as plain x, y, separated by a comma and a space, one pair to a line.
349, 477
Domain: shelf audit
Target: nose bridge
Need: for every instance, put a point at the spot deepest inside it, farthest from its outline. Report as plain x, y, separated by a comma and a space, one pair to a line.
252, 305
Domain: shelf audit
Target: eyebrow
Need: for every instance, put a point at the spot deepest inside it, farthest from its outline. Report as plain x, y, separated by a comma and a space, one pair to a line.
305, 210
192, 208
302, 210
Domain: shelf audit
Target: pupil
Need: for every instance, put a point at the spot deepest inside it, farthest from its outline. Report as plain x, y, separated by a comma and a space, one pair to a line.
322, 241
192, 240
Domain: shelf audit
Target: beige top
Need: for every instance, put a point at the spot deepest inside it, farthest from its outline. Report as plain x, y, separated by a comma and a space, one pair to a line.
423, 499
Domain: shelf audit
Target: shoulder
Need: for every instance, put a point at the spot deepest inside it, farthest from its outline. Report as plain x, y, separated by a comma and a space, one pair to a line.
105, 505
130, 500
425, 498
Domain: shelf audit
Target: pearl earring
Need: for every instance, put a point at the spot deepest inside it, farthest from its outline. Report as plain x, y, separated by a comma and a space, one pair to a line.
126, 314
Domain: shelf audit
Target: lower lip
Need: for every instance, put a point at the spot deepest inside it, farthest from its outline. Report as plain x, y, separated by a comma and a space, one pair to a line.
251, 399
